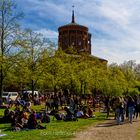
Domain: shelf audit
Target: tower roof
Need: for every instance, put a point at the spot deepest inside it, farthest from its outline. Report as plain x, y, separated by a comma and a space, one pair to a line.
73, 23
73, 17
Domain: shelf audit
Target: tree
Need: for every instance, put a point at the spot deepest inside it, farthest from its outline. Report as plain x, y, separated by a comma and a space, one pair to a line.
33, 46
137, 71
8, 31
128, 69
56, 71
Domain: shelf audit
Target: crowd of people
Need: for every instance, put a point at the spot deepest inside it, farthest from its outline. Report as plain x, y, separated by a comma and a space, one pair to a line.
60, 106
67, 107
24, 118
127, 107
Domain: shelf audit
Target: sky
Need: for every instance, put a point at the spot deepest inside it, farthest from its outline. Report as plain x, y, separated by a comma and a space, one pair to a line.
114, 24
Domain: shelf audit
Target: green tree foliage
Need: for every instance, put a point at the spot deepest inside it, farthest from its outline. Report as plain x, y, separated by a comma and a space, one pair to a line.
8, 32
27, 61
33, 58
133, 92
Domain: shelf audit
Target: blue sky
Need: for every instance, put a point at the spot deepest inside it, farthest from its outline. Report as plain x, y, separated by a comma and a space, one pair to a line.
114, 24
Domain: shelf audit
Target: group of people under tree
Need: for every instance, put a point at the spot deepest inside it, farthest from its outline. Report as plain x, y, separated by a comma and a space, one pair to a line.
73, 105
21, 116
68, 107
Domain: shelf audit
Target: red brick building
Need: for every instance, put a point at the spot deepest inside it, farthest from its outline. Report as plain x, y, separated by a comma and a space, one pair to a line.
75, 36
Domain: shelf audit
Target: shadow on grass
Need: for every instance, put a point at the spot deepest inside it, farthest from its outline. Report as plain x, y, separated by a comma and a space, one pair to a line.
108, 124
5, 128
113, 123
8, 129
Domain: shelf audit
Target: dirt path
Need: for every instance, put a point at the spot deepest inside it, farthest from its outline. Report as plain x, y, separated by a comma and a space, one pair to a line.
109, 131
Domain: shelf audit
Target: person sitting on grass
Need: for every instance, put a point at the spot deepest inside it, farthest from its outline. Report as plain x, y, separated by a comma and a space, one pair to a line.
79, 113
16, 121
32, 122
39, 125
11, 116
57, 115
45, 118
24, 119
70, 115
84, 109
19, 121
88, 113
17, 110
6, 113
6, 117
15, 125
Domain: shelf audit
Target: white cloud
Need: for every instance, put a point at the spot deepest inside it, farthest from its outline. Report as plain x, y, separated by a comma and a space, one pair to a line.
48, 33
116, 12
116, 51
114, 24
121, 25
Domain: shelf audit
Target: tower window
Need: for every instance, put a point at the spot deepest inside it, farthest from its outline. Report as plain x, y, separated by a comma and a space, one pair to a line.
79, 43
73, 43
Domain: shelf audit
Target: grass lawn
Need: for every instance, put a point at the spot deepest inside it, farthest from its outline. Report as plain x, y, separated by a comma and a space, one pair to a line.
56, 130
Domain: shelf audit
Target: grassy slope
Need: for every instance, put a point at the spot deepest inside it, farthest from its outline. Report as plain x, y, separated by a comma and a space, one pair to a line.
55, 130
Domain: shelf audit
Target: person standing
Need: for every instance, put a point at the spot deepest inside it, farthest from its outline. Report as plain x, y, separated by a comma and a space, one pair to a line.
117, 103
131, 108
122, 109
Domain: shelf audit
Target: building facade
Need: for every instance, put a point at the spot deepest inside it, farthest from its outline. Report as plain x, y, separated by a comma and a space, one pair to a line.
74, 36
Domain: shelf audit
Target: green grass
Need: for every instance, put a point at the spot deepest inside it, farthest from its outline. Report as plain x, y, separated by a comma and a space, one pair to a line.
59, 130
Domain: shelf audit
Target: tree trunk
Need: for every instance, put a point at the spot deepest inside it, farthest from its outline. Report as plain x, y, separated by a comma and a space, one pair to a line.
2, 53
1, 82
81, 87
85, 91
32, 89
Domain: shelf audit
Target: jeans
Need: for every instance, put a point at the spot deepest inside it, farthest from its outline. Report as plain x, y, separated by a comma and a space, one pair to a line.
122, 112
131, 111
118, 115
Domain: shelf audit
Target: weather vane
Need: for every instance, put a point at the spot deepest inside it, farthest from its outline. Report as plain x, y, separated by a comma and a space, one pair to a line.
73, 6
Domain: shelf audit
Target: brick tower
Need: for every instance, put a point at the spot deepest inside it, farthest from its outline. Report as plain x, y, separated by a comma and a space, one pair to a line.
75, 36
